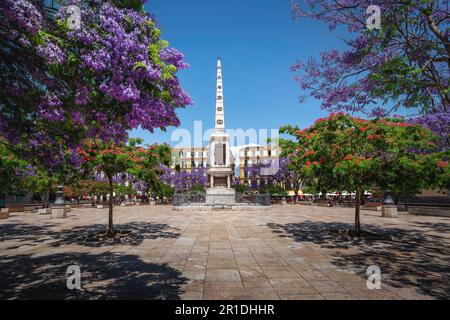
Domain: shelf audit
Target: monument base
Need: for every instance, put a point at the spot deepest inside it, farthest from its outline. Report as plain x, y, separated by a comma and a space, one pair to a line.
220, 196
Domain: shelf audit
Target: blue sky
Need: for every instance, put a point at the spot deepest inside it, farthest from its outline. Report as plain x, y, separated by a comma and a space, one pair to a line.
258, 41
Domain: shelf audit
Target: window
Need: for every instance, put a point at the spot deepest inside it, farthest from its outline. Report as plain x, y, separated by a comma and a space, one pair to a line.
219, 122
270, 153
183, 164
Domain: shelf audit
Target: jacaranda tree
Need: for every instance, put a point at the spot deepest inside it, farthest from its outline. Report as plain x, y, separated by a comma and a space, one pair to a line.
63, 80
403, 64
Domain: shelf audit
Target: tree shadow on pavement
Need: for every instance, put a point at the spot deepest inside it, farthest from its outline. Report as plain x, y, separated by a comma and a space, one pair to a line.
407, 257
136, 232
32, 235
103, 276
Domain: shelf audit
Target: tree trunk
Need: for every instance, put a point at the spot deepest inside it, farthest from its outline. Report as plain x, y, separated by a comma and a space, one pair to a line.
42, 194
110, 222
45, 197
296, 196
357, 211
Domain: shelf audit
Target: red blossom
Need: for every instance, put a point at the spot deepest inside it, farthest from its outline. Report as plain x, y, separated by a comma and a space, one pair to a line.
348, 157
442, 164
364, 129
372, 137
309, 152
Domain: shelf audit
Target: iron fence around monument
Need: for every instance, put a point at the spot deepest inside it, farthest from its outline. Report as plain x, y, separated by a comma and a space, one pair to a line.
187, 198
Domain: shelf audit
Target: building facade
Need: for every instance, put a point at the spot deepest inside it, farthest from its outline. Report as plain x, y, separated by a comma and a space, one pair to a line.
190, 158
187, 159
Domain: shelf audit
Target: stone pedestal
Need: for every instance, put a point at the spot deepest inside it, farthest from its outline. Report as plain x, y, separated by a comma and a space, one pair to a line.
43, 211
4, 213
389, 211
220, 196
59, 213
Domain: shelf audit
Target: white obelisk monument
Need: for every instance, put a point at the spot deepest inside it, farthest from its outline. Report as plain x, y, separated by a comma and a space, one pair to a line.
221, 160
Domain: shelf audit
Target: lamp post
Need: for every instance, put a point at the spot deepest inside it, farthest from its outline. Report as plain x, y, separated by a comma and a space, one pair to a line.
388, 198
59, 201
58, 209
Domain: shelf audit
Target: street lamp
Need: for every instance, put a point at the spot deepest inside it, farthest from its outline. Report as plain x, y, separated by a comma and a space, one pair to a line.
59, 202
388, 198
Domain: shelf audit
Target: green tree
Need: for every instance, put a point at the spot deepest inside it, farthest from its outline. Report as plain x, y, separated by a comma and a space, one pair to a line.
43, 183
153, 158
12, 172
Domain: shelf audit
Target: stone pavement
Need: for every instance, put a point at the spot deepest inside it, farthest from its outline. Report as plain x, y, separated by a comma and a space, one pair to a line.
285, 253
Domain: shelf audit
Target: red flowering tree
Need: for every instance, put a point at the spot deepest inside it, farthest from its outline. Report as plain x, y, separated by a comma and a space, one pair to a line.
109, 159
341, 152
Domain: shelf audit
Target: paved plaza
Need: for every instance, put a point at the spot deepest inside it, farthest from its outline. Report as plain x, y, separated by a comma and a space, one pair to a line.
288, 252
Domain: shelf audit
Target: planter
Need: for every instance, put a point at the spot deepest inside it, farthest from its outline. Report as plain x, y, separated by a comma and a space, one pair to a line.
43, 211
389, 211
430, 211
59, 213
4, 213
322, 203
